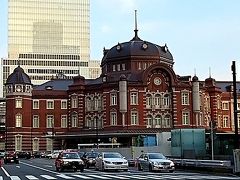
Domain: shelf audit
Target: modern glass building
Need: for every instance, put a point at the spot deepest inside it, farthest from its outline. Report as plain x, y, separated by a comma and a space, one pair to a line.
48, 38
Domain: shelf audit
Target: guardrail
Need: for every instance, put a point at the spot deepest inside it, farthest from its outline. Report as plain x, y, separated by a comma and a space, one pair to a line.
202, 163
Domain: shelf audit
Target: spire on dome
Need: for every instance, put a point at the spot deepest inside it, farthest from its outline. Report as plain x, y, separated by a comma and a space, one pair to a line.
136, 38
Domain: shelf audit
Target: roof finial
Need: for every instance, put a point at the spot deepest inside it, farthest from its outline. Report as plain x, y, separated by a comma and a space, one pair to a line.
209, 72
194, 71
136, 30
18, 61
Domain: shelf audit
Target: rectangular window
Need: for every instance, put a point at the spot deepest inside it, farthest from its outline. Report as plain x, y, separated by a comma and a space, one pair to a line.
113, 118
225, 105
134, 118
18, 102
74, 121
114, 68
18, 143
185, 98
18, 120
134, 98
50, 104
49, 145
225, 121
63, 104
35, 104
118, 67
113, 99
123, 67
35, 121
185, 118
74, 102
35, 144
50, 121
64, 123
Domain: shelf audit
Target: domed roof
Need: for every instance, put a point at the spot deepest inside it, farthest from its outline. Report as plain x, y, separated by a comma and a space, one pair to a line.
138, 48
18, 77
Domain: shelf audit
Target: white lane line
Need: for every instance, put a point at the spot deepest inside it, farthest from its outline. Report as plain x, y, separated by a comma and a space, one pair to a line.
14, 178
1, 178
64, 176
31, 177
5, 171
81, 176
116, 176
39, 168
100, 177
47, 177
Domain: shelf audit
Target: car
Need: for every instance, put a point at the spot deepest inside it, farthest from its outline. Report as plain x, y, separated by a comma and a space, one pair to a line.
154, 162
69, 160
111, 161
89, 159
53, 155
11, 157
2, 153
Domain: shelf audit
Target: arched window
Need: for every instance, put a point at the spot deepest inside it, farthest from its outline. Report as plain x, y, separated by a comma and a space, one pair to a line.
166, 121
149, 121
74, 120
158, 121
18, 120
157, 101
166, 101
88, 104
148, 101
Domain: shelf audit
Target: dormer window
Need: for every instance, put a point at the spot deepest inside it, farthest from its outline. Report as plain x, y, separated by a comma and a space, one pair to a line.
18, 88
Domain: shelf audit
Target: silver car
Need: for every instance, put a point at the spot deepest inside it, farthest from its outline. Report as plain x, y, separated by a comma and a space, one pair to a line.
154, 162
111, 161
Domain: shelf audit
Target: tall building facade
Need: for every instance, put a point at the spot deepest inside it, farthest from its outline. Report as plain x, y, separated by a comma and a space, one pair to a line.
48, 38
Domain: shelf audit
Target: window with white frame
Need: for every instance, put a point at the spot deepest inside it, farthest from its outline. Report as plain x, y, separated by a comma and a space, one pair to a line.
166, 100
114, 67
148, 101
185, 98
218, 103
18, 102
74, 101
149, 121
18, 120
185, 118
113, 99
74, 120
123, 67
35, 121
158, 120
166, 121
225, 105
35, 104
50, 104
64, 122
134, 118
118, 67
88, 104
18, 142
63, 104
88, 122
35, 144
49, 144
99, 102
157, 101
133, 98
96, 103
113, 117
225, 121
50, 121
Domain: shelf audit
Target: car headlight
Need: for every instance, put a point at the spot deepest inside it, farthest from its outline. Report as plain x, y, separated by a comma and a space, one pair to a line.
171, 164
65, 162
107, 162
125, 162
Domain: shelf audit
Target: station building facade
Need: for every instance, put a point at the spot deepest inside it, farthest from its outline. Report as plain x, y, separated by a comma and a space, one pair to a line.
137, 96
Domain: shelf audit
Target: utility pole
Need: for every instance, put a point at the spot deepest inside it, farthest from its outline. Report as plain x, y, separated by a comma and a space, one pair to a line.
236, 143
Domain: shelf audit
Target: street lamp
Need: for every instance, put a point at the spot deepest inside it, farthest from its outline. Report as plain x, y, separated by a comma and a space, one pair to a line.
97, 131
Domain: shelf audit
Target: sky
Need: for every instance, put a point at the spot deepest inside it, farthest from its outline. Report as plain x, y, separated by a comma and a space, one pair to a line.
203, 36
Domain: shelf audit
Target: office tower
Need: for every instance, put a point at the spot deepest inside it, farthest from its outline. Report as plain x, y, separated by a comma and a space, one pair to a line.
48, 38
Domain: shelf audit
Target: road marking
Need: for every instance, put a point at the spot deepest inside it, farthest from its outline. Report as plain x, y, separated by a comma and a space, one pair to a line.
39, 168
1, 178
100, 177
115, 177
83, 177
64, 176
48, 166
5, 171
48, 177
17, 166
31, 177
14, 178
132, 176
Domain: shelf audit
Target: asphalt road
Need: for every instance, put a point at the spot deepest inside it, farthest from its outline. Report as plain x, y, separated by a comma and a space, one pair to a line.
34, 169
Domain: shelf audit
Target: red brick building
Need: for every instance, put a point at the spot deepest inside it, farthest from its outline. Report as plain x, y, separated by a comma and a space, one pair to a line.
137, 96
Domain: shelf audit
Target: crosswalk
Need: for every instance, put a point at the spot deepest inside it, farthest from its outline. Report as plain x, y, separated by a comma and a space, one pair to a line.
105, 176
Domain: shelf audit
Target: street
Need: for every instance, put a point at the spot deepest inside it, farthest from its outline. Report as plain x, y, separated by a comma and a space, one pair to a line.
34, 169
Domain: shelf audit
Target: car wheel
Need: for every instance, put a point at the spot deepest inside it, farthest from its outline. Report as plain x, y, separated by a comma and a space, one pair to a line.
150, 168
139, 167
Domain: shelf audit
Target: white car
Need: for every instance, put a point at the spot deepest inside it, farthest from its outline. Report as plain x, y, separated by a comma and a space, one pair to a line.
111, 161
53, 155
154, 162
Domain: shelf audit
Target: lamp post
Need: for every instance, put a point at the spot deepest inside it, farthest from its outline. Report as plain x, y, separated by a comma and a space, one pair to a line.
97, 131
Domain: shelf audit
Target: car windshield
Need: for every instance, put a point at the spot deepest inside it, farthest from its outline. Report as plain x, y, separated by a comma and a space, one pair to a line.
70, 156
156, 156
92, 154
112, 155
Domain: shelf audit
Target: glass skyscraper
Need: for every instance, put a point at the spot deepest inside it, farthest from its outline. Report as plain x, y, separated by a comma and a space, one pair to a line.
48, 38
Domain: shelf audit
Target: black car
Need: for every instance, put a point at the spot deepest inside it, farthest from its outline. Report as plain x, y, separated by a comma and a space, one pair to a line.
89, 159
11, 157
